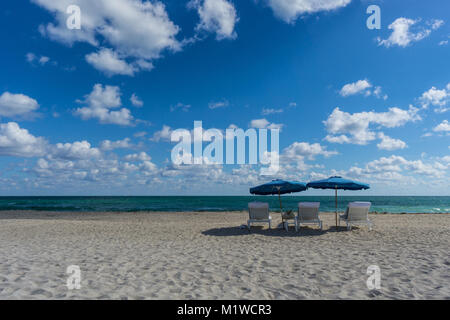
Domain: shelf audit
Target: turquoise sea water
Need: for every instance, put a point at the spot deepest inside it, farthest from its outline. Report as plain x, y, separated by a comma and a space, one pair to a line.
404, 204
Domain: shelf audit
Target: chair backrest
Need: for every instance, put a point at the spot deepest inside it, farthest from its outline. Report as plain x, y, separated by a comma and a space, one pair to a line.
258, 210
357, 211
308, 210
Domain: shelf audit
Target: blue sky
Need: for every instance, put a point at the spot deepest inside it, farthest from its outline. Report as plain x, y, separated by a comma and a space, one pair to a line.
371, 105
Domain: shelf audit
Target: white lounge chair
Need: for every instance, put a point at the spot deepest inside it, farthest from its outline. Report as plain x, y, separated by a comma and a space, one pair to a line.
308, 213
258, 212
357, 213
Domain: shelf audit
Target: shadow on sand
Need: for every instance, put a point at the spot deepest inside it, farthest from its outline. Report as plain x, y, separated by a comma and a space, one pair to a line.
274, 232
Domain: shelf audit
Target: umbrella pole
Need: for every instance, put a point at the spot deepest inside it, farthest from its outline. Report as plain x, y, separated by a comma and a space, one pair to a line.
336, 203
281, 207
279, 198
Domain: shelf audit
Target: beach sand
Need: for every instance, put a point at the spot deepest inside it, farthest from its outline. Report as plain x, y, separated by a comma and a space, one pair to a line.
207, 256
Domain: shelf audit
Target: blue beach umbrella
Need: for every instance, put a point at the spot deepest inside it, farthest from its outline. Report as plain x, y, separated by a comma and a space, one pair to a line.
279, 187
337, 183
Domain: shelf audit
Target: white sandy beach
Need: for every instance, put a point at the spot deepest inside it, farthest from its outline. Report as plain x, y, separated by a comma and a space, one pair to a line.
207, 256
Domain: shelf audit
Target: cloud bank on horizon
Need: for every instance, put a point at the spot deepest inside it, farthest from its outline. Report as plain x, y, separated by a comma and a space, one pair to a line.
92, 110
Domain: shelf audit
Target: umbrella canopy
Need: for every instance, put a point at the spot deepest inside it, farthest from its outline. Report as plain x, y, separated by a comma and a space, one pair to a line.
278, 187
338, 183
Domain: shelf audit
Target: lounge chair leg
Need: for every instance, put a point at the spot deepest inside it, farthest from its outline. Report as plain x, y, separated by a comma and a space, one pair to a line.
320, 226
248, 225
270, 225
349, 226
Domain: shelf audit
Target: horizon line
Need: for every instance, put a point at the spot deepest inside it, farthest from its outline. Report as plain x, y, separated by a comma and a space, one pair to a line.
286, 195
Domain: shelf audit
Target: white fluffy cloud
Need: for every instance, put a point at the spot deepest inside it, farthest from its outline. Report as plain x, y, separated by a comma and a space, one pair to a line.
108, 61
362, 87
74, 151
354, 88
306, 150
100, 101
436, 97
402, 35
142, 156
108, 145
98, 172
42, 60
394, 167
163, 134
264, 124
293, 160
30, 56
377, 92
259, 123
137, 30
62, 164
355, 128
15, 141
148, 168
290, 10
390, 144
136, 101
216, 16
444, 126
12, 105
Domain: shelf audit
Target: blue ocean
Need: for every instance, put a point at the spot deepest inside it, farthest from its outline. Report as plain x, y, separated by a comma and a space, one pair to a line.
399, 204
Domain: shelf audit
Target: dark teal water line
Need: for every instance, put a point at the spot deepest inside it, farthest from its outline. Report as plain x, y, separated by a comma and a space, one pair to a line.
397, 204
